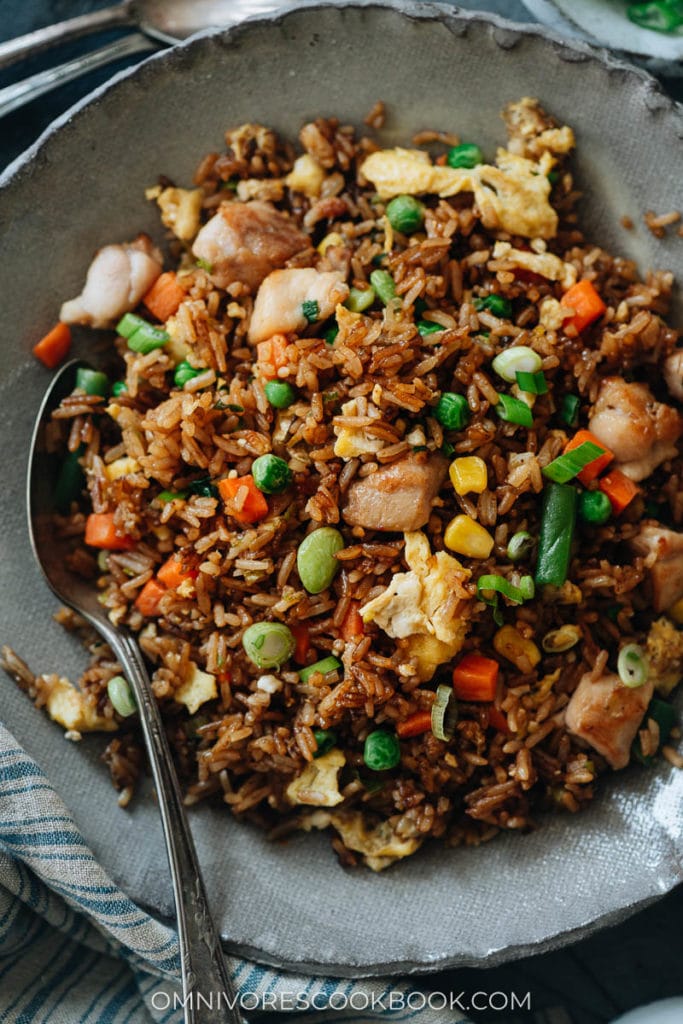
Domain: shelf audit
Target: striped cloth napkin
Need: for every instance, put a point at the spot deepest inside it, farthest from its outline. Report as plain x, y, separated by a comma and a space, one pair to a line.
74, 948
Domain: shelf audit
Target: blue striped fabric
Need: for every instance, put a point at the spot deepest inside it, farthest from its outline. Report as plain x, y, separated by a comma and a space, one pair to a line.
75, 950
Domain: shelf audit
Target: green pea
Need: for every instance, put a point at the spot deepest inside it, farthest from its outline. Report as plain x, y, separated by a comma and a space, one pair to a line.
452, 411
595, 507
315, 559
119, 387
271, 474
280, 394
406, 214
381, 751
183, 373
360, 299
121, 697
384, 285
326, 739
467, 154
268, 644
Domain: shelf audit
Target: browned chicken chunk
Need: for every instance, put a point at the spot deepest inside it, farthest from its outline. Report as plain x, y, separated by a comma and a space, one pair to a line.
607, 715
663, 551
246, 241
396, 497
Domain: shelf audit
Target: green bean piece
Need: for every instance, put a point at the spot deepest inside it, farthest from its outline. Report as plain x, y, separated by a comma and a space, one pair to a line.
315, 559
558, 520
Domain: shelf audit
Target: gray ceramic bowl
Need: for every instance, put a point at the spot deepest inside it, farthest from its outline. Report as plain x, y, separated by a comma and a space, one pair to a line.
83, 186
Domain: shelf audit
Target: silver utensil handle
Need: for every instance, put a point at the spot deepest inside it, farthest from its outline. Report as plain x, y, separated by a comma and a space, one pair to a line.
35, 42
204, 971
16, 95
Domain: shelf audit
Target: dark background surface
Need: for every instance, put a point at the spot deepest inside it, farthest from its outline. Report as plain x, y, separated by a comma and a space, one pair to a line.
594, 980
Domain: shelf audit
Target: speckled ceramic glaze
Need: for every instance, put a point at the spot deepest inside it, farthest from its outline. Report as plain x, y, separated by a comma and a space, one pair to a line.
82, 186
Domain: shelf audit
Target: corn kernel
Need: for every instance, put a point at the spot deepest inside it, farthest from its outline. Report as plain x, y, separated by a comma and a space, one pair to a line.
468, 537
468, 475
675, 612
334, 238
510, 644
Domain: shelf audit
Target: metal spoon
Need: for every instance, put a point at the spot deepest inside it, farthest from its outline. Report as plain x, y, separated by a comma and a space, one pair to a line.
202, 963
166, 21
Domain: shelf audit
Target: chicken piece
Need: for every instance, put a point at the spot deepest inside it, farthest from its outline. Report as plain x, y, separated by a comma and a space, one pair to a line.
663, 551
288, 300
664, 650
197, 689
639, 430
379, 845
396, 497
116, 281
426, 607
531, 132
673, 373
246, 241
607, 715
318, 783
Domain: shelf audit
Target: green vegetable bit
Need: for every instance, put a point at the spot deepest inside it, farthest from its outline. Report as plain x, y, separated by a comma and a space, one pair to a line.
513, 410
326, 739
569, 410
165, 496
119, 387
558, 521
93, 382
203, 488
660, 15
129, 324
147, 338
360, 299
121, 697
381, 751
310, 310
406, 214
532, 383
315, 558
70, 480
325, 665
279, 393
566, 467
268, 644
183, 373
384, 286
205, 266
331, 333
496, 304
271, 474
467, 155
595, 507
520, 546
632, 666
427, 327
452, 411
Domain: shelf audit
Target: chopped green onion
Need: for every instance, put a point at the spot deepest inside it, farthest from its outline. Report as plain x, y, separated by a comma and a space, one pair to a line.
310, 310
129, 324
444, 713
664, 714
520, 546
532, 383
271, 474
489, 586
93, 382
633, 666
147, 338
119, 387
612, 612
427, 327
660, 15
405, 214
231, 184
447, 449
203, 488
330, 334
558, 520
566, 467
595, 507
569, 411
279, 393
513, 410
326, 739
496, 304
268, 644
166, 496
360, 299
205, 265
183, 373
70, 480
330, 664
121, 697
315, 558
553, 177
515, 359
466, 155
381, 751
384, 286
452, 411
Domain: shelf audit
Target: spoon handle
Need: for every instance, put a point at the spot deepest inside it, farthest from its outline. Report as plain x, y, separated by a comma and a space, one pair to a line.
35, 42
27, 89
208, 993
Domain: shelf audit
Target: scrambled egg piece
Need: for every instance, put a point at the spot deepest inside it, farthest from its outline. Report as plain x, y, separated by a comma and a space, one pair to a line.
552, 314
180, 210
379, 845
68, 706
197, 689
529, 131
176, 348
121, 467
512, 196
416, 606
268, 189
353, 441
318, 783
306, 176
664, 650
544, 263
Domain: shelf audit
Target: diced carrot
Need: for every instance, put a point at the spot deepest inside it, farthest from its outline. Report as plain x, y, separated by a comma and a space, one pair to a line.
54, 346
441, 160
352, 624
178, 568
497, 720
475, 678
271, 355
164, 297
147, 601
413, 725
253, 506
302, 639
100, 532
594, 468
619, 489
585, 302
